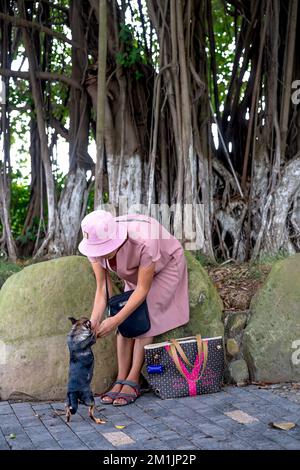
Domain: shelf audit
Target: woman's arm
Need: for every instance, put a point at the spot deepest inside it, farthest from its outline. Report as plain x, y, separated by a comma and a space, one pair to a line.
100, 295
144, 281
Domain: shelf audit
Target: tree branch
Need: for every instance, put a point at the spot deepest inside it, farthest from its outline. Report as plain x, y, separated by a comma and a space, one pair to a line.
31, 24
42, 76
59, 128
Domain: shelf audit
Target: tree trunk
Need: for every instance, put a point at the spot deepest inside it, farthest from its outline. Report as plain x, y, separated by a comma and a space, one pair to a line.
7, 244
73, 199
101, 92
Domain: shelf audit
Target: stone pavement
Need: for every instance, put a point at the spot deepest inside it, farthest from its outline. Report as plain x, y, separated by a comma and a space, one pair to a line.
203, 422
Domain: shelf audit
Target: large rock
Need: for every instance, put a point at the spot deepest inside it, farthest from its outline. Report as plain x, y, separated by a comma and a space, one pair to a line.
237, 372
34, 308
205, 305
272, 336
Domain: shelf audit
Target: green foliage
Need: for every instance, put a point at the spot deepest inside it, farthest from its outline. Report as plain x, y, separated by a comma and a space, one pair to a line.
204, 259
20, 195
224, 33
30, 234
256, 273
271, 259
133, 53
59, 181
6, 270
90, 202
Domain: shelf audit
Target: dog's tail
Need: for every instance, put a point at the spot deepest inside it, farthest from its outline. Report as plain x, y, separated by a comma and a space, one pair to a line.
72, 402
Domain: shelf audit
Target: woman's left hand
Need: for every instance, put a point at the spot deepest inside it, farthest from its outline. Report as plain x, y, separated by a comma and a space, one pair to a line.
106, 327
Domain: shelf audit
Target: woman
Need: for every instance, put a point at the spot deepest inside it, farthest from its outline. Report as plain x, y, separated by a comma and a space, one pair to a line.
151, 261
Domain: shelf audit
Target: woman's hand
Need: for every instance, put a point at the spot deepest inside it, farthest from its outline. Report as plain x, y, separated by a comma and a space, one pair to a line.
106, 327
94, 326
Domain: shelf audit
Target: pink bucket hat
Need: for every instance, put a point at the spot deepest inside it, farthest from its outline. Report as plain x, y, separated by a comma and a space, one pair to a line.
101, 233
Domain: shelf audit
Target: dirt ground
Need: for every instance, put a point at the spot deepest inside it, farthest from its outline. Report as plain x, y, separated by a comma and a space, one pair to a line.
237, 283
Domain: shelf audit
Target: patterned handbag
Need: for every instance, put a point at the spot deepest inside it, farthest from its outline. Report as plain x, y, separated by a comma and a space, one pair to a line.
185, 367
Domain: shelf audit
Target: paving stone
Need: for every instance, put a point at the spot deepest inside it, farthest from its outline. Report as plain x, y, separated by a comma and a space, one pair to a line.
41, 406
214, 431
138, 415
188, 430
167, 435
184, 412
107, 427
230, 425
29, 421
155, 444
158, 427
58, 405
283, 439
94, 440
223, 406
10, 424
210, 413
157, 412
120, 420
22, 409
6, 410
72, 444
41, 438
172, 421
169, 403
52, 422
80, 426
137, 432
3, 442
239, 444
20, 442
154, 424
210, 444
262, 443
180, 444
118, 438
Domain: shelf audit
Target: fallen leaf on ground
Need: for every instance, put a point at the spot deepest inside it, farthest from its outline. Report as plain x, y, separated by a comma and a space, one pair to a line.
12, 436
119, 427
286, 426
241, 417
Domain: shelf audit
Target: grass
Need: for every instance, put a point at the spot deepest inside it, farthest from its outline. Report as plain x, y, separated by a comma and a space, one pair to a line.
271, 259
204, 259
6, 270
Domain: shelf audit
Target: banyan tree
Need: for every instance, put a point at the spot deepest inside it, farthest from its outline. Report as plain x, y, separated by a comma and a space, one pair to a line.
193, 103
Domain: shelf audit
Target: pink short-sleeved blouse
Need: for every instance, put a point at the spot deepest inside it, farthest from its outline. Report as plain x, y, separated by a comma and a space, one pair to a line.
148, 241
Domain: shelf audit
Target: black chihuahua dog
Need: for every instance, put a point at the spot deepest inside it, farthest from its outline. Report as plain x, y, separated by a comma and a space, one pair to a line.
80, 341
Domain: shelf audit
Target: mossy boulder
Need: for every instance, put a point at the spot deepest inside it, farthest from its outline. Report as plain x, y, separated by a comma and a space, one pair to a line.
237, 372
272, 337
205, 305
34, 308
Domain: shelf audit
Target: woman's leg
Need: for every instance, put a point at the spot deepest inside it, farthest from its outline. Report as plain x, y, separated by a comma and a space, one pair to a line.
137, 364
124, 353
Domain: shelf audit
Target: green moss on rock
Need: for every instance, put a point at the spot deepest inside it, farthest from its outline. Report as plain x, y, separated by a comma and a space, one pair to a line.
34, 308
274, 326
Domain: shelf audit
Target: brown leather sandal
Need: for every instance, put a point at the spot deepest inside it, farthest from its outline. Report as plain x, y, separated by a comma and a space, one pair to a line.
128, 397
112, 395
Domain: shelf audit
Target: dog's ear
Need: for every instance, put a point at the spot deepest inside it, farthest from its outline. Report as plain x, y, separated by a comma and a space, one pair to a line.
73, 320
